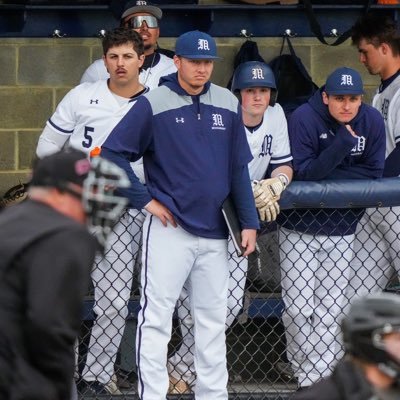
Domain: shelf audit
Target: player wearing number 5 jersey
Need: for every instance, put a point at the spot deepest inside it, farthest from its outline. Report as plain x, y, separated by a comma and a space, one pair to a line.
83, 120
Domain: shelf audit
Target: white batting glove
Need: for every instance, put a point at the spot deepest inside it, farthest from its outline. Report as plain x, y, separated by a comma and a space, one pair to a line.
268, 191
269, 213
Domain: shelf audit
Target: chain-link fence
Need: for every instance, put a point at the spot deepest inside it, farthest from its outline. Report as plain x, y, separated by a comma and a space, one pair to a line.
285, 303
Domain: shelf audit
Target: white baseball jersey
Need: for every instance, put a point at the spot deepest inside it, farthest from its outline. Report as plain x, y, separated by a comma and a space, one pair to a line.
149, 77
269, 143
83, 119
388, 104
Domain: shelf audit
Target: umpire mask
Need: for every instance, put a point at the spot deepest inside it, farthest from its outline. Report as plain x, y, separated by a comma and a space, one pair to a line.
102, 205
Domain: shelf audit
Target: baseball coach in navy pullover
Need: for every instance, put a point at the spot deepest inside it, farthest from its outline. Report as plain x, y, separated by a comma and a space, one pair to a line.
192, 139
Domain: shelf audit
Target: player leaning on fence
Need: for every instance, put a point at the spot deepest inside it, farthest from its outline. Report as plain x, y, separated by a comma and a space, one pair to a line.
377, 246
333, 136
192, 139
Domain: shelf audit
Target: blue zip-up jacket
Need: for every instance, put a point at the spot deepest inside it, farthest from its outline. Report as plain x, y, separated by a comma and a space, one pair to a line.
322, 148
195, 153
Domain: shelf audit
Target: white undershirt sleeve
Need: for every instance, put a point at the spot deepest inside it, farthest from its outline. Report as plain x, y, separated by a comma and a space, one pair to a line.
50, 142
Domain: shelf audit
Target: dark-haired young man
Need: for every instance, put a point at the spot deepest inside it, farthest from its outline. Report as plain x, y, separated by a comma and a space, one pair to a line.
83, 119
377, 246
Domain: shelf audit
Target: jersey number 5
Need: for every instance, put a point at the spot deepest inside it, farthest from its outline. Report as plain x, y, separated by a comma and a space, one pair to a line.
88, 137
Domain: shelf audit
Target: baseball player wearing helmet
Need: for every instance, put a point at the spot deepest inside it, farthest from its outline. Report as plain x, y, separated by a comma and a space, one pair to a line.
191, 136
371, 367
266, 130
377, 246
47, 253
83, 120
333, 136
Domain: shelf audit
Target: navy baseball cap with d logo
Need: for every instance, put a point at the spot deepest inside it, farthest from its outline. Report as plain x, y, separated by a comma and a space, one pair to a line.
344, 81
196, 45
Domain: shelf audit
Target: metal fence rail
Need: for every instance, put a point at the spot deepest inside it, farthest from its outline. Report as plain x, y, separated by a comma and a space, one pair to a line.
289, 313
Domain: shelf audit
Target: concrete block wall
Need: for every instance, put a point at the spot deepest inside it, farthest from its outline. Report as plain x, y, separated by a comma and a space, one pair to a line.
37, 72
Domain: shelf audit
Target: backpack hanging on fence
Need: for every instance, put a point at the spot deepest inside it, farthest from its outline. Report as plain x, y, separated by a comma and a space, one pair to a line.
248, 52
294, 84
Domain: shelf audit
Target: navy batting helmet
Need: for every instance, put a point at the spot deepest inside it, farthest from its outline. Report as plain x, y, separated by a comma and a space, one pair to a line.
254, 74
364, 328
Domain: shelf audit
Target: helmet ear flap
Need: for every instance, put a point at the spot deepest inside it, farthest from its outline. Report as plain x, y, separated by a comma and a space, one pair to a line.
273, 97
238, 95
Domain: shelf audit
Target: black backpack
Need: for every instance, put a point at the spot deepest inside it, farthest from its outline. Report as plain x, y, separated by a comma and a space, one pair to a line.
294, 84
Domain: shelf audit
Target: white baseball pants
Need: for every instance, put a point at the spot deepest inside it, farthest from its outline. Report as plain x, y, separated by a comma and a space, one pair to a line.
112, 281
170, 257
315, 276
376, 251
181, 364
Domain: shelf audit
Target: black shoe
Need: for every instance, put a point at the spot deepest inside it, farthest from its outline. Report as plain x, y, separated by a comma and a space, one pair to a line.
301, 388
285, 371
126, 380
234, 377
91, 387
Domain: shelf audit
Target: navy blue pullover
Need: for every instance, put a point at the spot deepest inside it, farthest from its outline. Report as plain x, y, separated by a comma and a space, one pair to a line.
195, 153
322, 148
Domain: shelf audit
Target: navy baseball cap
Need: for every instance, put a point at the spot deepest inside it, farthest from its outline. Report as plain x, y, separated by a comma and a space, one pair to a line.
61, 168
196, 45
344, 81
141, 6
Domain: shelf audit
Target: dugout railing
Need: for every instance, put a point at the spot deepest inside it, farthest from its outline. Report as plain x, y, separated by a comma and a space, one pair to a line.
259, 346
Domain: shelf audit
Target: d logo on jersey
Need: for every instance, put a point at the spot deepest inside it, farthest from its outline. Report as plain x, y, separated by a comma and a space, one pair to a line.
217, 122
385, 108
359, 148
266, 146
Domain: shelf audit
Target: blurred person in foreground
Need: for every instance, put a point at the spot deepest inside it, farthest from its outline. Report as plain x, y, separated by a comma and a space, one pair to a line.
370, 369
47, 248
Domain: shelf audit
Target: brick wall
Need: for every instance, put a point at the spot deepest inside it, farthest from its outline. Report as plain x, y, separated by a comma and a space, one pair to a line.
37, 72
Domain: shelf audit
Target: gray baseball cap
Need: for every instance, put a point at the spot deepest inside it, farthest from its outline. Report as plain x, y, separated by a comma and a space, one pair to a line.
141, 6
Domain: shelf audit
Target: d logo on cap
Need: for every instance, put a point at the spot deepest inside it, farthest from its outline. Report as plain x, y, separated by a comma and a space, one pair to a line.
344, 81
196, 45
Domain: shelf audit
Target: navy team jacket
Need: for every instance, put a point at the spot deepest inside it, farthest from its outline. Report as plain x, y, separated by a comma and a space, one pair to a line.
195, 153
323, 149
